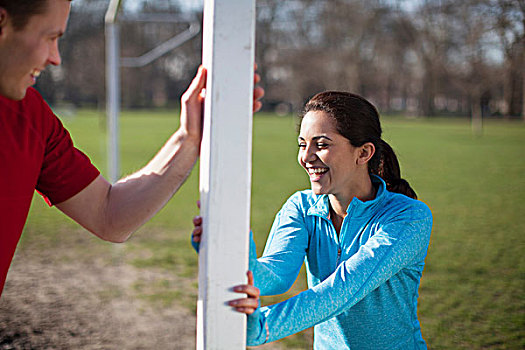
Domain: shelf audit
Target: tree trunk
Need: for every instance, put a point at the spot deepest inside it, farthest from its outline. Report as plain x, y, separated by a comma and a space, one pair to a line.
522, 8
476, 117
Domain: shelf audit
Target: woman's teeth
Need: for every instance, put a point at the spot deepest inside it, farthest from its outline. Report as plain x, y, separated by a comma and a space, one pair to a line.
317, 170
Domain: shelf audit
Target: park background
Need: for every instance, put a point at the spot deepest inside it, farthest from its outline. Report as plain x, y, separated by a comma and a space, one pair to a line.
431, 67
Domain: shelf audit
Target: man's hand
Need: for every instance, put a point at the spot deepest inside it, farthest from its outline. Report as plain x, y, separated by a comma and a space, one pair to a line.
191, 114
192, 104
258, 92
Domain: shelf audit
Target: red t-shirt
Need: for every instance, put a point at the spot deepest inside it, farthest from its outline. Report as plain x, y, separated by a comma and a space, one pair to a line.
36, 152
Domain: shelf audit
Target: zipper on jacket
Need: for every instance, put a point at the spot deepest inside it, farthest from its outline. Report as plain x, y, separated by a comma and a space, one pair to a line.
341, 234
338, 238
338, 256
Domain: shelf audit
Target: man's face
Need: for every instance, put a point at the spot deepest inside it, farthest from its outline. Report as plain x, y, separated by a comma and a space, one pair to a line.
24, 53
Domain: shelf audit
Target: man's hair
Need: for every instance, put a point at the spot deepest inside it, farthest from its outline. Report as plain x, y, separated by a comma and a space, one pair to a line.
21, 10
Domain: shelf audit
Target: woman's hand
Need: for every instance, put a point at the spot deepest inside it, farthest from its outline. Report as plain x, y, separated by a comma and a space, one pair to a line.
249, 304
196, 234
197, 229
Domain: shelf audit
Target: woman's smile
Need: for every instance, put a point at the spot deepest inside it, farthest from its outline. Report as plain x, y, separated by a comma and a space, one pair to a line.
316, 173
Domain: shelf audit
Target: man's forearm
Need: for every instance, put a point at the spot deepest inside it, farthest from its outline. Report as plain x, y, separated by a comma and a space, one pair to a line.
134, 199
114, 212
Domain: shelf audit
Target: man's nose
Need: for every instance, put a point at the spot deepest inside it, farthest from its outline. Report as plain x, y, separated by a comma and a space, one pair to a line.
54, 55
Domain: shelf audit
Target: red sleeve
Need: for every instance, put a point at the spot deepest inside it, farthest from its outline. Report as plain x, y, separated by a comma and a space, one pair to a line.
65, 170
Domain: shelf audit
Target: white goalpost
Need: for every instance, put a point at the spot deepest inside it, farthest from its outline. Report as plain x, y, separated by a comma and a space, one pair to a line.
225, 170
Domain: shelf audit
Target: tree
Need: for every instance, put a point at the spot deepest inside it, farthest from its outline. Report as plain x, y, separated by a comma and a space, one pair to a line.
509, 24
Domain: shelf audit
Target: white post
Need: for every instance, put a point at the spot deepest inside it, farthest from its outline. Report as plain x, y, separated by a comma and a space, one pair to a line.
113, 88
225, 170
113, 100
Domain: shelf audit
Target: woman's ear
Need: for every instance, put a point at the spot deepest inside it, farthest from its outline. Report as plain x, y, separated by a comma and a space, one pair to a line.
366, 152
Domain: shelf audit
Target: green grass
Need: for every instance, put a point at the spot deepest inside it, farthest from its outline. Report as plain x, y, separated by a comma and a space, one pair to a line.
472, 291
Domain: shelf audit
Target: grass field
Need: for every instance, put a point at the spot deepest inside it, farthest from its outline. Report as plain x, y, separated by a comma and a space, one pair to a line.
472, 292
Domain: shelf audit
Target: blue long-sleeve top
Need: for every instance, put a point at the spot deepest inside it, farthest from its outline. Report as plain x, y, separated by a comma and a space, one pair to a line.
363, 283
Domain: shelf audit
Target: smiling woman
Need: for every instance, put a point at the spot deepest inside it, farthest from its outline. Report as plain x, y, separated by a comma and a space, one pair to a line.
355, 121
361, 231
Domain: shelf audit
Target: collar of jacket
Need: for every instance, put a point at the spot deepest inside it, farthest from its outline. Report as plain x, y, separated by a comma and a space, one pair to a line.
356, 207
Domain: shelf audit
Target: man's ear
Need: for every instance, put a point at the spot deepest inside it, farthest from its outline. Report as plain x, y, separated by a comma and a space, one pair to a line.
3, 19
366, 152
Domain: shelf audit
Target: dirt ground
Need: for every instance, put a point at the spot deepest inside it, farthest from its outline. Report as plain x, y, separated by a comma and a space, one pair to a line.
54, 299
46, 305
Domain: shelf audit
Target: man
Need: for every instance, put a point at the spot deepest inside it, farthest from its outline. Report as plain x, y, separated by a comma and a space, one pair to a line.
36, 152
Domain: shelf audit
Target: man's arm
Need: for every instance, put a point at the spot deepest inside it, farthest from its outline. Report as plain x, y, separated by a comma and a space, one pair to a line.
113, 212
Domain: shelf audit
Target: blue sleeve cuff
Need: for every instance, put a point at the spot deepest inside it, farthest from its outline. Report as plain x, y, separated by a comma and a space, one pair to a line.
256, 330
195, 245
253, 254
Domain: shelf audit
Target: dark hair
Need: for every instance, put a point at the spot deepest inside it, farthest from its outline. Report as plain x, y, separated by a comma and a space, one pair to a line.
358, 121
21, 10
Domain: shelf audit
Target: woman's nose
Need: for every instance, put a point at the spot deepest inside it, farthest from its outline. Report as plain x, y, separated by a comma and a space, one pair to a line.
308, 155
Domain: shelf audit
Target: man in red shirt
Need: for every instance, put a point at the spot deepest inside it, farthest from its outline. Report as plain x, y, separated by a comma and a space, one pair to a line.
36, 152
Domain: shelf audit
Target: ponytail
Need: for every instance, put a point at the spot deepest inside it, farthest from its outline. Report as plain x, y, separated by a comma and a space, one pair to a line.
387, 167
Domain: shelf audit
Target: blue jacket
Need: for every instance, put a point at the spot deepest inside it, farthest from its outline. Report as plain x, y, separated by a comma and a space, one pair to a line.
363, 283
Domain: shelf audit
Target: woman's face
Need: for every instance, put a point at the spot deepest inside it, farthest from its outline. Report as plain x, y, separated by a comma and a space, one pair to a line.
328, 157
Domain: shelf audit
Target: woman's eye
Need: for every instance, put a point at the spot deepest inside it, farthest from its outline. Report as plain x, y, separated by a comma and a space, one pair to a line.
302, 145
322, 145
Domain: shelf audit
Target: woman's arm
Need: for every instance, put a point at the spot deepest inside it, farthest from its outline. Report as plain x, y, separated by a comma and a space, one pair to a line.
395, 246
276, 271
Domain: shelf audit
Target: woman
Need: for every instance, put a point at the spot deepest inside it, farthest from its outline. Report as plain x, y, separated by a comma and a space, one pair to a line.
363, 234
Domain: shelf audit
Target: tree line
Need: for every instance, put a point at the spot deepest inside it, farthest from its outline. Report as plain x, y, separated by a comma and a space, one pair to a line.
422, 58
